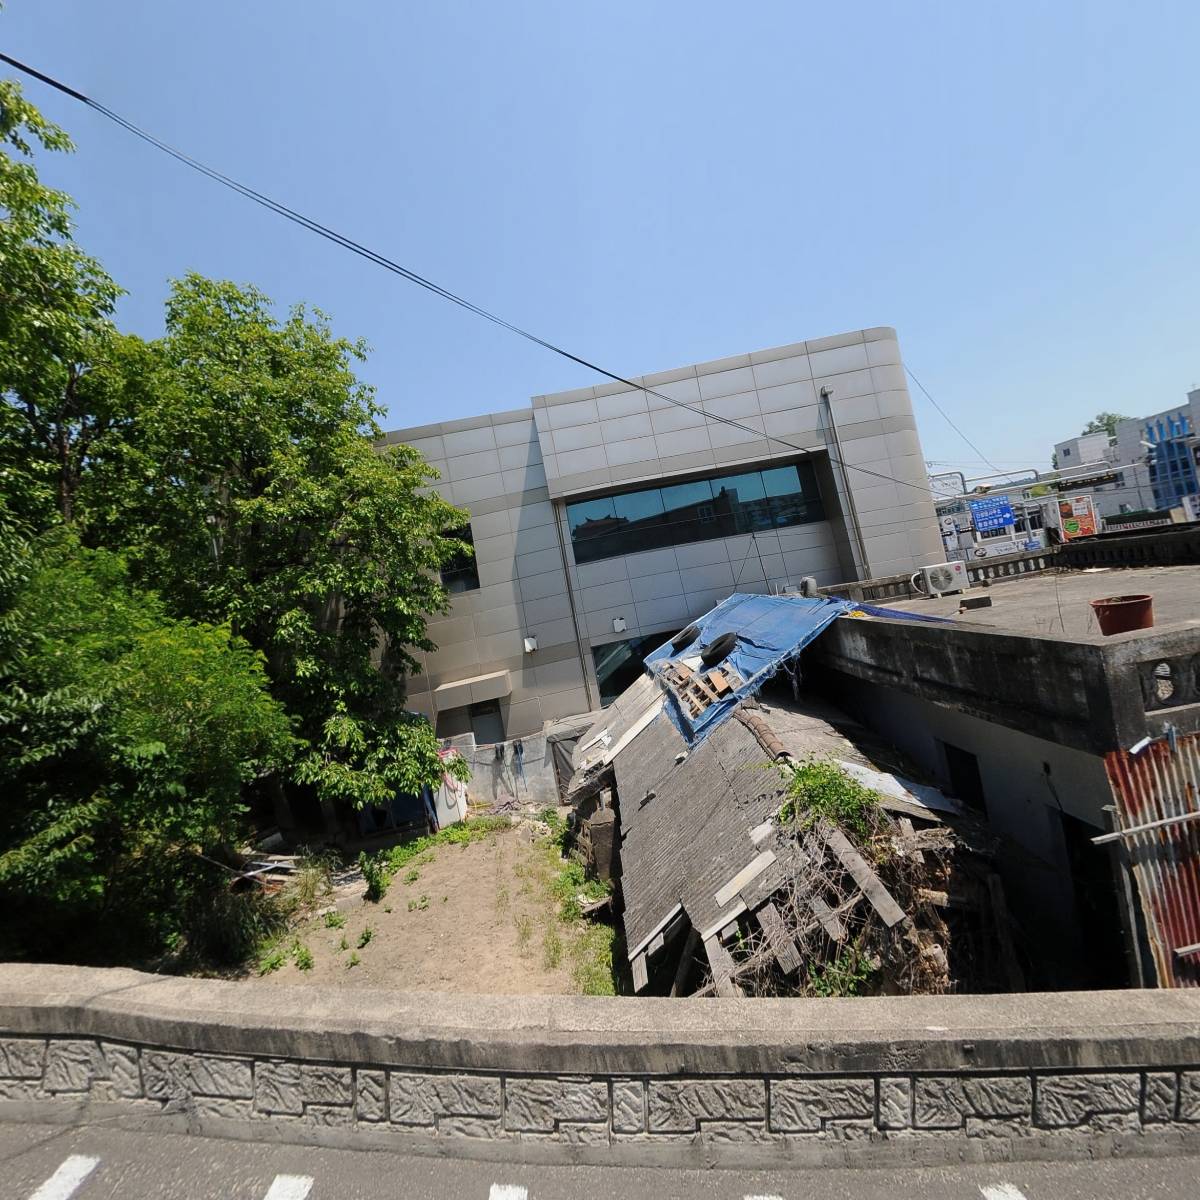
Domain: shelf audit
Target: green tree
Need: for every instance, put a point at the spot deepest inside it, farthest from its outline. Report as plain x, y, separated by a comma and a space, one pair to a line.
126, 741
1104, 422
246, 489
56, 304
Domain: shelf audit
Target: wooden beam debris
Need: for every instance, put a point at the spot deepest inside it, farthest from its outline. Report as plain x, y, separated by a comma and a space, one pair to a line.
721, 962
830, 921
781, 943
641, 974
881, 899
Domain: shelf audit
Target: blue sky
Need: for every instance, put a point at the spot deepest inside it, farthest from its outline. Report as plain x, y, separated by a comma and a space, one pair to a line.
1015, 187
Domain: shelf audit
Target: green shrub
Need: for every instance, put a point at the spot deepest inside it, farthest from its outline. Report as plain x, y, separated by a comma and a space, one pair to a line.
820, 789
363, 938
302, 956
849, 974
272, 958
375, 871
335, 919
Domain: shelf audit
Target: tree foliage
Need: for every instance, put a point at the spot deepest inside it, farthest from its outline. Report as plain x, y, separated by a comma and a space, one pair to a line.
126, 738
1103, 422
211, 580
56, 305
247, 489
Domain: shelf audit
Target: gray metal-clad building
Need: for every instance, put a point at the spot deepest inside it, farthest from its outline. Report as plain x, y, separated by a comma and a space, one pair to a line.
605, 518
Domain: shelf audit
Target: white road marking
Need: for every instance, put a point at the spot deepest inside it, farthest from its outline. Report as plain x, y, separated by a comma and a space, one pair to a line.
67, 1178
508, 1191
1002, 1191
289, 1187
772, 1197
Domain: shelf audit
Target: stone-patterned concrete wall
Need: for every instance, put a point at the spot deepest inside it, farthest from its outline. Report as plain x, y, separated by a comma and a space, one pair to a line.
784, 1110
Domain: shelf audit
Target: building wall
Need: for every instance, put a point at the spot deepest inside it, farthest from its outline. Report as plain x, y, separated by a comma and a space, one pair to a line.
492, 466
516, 472
1028, 784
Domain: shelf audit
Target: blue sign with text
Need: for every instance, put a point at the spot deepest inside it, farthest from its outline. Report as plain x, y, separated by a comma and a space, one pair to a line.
993, 513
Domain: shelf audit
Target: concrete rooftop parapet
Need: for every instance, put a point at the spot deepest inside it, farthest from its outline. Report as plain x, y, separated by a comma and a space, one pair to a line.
916, 1078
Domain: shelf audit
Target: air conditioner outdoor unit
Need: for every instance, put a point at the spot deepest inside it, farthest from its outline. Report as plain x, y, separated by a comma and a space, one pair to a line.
940, 578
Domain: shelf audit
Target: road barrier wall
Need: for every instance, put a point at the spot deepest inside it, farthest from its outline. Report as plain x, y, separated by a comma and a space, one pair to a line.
915, 1079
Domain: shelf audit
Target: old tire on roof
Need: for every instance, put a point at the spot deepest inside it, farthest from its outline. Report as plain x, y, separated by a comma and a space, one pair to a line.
685, 637
718, 649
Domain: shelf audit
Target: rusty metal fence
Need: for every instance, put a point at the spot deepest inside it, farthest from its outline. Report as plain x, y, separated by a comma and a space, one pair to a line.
1157, 790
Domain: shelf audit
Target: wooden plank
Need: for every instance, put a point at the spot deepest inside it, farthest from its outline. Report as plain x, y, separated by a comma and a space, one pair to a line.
1008, 952
941, 899
641, 976
685, 962
830, 921
751, 871
656, 944
721, 962
782, 945
881, 899
906, 828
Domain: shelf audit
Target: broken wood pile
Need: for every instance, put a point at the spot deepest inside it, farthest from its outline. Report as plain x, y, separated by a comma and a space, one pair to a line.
901, 911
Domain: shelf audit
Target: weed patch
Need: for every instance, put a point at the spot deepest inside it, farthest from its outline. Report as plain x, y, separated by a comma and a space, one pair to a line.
820, 789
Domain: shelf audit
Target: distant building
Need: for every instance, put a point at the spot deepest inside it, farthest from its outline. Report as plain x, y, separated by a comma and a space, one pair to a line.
1083, 450
1168, 445
1157, 459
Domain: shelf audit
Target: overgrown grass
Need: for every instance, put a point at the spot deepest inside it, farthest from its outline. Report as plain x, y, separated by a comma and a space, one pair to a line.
379, 869
313, 879
570, 883
223, 928
586, 945
820, 789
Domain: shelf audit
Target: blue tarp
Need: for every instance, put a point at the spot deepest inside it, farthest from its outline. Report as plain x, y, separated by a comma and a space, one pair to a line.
770, 630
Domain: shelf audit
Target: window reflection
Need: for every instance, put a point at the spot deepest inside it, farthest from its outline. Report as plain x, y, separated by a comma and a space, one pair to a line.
721, 506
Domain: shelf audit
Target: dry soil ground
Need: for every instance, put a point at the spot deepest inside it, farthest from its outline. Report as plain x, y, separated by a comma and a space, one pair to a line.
479, 917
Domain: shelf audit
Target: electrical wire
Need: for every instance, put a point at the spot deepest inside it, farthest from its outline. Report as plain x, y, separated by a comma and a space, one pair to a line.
982, 457
411, 276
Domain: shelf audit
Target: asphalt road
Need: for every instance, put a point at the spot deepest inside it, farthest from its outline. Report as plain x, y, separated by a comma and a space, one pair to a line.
40, 1162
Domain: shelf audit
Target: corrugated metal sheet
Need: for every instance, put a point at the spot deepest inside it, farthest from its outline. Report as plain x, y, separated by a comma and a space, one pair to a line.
1162, 783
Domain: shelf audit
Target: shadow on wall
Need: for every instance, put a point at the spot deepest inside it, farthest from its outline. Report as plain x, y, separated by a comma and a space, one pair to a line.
507, 775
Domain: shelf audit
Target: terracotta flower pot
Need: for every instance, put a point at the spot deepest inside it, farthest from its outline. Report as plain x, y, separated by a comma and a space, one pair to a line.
1120, 614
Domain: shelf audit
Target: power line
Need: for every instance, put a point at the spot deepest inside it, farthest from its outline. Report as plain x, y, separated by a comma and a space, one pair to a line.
982, 457
388, 264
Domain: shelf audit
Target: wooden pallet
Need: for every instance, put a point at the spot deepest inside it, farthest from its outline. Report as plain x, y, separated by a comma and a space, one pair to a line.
697, 690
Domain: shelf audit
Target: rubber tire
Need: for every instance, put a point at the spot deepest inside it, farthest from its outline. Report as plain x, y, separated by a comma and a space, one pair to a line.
718, 649
684, 638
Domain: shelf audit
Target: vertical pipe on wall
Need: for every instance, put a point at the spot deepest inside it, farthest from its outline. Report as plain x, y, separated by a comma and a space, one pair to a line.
592, 701
827, 396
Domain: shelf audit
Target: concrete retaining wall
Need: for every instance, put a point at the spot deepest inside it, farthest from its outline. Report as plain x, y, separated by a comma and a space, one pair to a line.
909, 1079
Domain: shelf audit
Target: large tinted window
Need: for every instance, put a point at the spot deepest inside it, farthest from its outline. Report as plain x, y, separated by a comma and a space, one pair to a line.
721, 506
618, 664
459, 574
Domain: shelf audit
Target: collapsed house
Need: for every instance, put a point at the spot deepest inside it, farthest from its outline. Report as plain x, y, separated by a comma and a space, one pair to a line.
731, 885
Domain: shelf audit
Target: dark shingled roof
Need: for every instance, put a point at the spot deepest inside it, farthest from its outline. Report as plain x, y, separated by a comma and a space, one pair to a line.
692, 835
